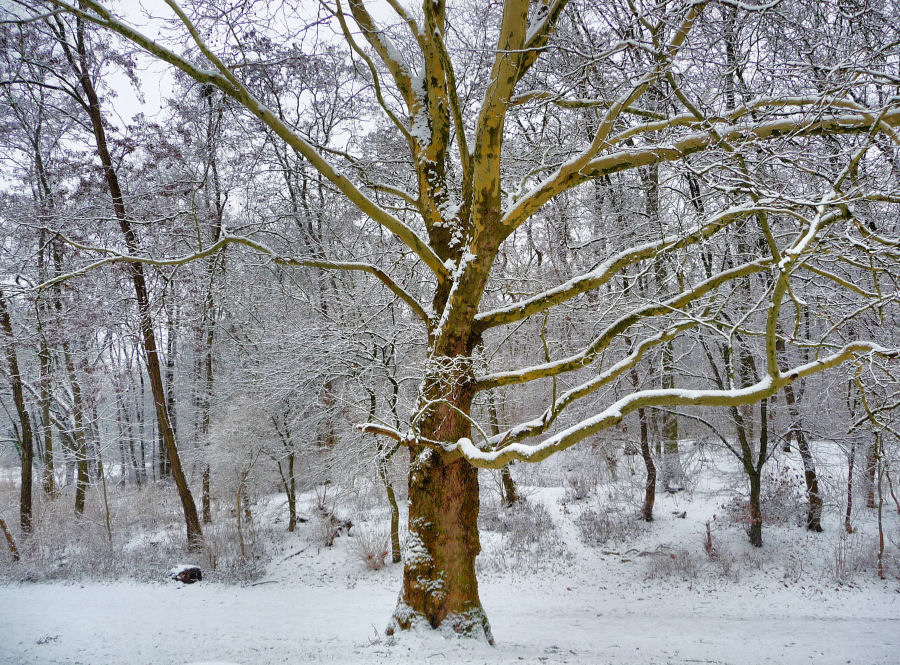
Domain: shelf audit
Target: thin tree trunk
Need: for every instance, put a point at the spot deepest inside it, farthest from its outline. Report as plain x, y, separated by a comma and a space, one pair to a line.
81, 481
240, 530
756, 517
871, 464
890, 483
647, 455
136, 270
510, 495
814, 498
141, 419
755, 531
395, 511
102, 473
25, 506
848, 525
48, 479
291, 489
673, 473
879, 461
169, 380
207, 504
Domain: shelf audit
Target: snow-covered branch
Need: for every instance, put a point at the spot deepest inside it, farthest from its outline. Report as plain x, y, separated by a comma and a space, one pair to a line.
613, 414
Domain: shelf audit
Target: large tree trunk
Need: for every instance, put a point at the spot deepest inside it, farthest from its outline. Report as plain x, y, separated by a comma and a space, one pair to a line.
439, 584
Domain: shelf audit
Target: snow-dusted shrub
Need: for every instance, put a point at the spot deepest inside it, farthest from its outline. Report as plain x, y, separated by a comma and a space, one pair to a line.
792, 569
678, 563
584, 470
727, 566
853, 554
523, 523
528, 538
222, 559
579, 486
600, 525
328, 526
365, 496
371, 546
782, 501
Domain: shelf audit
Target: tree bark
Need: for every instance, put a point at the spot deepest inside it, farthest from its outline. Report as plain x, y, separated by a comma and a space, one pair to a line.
27, 440
81, 480
48, 477
871, 464
440, 588
851, 461
647, 455
291, 489
510, 495
439, 583
755, 530
814, 498
395, 512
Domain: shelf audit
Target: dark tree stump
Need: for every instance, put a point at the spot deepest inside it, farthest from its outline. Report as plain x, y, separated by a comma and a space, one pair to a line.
187, 574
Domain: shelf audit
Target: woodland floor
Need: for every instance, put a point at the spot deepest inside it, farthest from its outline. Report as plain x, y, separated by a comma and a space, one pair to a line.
564, 580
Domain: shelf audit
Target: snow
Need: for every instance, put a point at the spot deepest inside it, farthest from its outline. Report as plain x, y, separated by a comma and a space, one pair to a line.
574, 603
550, 621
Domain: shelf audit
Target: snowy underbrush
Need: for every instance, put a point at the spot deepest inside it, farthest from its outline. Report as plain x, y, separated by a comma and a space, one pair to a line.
520, 538
613, 524
140, 536
782, 500
578, 515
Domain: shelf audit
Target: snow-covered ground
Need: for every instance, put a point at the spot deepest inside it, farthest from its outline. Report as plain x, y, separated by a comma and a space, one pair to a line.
535, 621
648, 595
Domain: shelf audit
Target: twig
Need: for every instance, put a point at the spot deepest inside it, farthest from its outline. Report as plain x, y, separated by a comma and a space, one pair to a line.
289, 556
9, 541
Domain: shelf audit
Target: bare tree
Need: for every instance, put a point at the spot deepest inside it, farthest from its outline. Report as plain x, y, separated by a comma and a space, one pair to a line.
475, 110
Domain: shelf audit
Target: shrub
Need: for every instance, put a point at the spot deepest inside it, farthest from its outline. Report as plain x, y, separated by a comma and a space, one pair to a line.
371, 547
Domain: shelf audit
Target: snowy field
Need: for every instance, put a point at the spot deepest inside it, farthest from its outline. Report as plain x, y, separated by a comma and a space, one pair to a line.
565, 579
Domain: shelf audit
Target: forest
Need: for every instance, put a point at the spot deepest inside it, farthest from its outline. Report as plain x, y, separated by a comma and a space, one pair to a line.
580, 306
